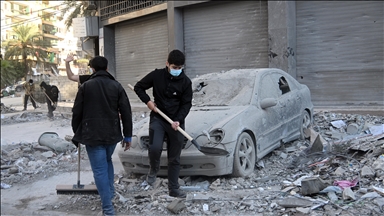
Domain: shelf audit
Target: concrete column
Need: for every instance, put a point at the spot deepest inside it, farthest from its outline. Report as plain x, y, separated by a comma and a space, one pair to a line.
109, 48
282, 35
175, 27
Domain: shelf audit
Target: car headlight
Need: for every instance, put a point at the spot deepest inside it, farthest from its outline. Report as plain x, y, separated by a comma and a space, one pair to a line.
216, 135
134, 142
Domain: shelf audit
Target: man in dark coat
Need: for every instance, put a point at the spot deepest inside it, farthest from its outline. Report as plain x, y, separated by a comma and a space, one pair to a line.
172, 93
96, 124
51, 96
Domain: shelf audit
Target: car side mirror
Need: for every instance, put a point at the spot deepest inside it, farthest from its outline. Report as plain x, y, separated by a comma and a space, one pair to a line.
268, 102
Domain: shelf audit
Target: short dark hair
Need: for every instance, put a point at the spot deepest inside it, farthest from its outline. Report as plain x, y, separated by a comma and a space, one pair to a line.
30, 80
176, 57
99, 63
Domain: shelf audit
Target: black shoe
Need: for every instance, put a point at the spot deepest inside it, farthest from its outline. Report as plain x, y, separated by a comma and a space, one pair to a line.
177, 193
151, 179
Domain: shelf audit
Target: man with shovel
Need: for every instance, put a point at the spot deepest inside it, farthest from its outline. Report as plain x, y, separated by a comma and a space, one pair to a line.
51, 93
29, 90
172, 93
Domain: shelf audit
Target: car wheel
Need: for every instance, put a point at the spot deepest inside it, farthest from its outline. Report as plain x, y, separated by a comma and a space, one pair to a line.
245, 156
18, 89
305, 123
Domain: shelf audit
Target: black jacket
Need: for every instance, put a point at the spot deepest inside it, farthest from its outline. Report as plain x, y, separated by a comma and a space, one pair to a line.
172, 95
51, 91
95, 119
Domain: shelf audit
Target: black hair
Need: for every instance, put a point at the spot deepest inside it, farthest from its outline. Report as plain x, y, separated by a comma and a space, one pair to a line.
30, 80
90, 63
99, 63
176, 57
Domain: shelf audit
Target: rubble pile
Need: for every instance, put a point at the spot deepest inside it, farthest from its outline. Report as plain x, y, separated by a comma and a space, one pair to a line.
6, 109
338, 171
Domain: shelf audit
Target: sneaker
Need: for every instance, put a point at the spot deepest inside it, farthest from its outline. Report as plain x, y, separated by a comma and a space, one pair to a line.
177, 193
151, 179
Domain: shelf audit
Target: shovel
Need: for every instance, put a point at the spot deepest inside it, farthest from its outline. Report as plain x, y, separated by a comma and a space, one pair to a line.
205, 150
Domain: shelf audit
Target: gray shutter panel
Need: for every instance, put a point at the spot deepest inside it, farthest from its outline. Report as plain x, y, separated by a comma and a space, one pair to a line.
226, 35
340, 51
141, 47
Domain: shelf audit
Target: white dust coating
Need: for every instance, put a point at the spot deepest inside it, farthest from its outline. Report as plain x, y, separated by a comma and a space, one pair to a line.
231, 88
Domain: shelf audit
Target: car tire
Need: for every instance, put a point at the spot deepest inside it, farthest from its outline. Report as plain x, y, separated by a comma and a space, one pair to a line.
244, 159
18, 89
305, 123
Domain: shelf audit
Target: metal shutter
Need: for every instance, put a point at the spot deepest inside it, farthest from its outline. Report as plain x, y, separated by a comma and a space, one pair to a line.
141, 46
340, 51
226, 35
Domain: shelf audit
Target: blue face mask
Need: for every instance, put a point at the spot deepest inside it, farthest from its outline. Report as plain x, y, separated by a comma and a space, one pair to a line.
175, 72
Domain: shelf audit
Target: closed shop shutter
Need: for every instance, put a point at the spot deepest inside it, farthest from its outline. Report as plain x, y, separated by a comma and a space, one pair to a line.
141, 46
340, 51
225, 35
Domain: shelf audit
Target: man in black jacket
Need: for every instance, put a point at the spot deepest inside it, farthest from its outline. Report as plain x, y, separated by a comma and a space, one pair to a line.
51, 96
172, 93
96, 124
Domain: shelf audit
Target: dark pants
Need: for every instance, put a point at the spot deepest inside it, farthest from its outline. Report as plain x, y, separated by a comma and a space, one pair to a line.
50, 106
26, 101
158, 128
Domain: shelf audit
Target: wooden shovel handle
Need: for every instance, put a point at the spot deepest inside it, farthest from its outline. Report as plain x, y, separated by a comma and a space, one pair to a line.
168, 119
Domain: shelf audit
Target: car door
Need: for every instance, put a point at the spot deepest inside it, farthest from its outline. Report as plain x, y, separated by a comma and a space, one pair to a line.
269, 128
289, 105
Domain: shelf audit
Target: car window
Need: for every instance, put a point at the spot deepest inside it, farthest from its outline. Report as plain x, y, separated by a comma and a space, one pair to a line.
268, 88
232, 88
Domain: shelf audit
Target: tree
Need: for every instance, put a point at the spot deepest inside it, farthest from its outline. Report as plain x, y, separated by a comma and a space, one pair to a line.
28, 43
77, 9
8, 74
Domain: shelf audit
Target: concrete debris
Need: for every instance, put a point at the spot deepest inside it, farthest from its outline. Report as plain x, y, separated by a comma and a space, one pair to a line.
312, 185
176, 206
292, 202
348, 194
290, 181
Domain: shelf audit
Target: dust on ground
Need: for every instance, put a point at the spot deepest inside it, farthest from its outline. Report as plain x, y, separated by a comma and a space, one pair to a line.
273, 189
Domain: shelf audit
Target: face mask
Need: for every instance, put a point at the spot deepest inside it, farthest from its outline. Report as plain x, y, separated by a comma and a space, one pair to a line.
90, 70
175, 72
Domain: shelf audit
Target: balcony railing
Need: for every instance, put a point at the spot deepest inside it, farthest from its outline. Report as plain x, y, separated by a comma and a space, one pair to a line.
109, 9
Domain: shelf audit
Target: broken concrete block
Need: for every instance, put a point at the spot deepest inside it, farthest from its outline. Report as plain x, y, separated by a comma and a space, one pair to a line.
176, 206
303, 210
332, 196
339, 171
48, 154
13, 170
367, 172
348, 194
352, 128
317, 145
379, 163
338, 124
292, 202
312, 185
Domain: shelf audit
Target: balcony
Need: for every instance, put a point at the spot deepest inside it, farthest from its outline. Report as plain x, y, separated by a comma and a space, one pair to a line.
109, 9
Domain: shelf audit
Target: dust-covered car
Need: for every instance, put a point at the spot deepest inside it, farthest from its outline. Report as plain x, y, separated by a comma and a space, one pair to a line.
247, 112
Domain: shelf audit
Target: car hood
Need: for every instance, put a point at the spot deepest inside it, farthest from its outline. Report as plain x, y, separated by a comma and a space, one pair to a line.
206, 118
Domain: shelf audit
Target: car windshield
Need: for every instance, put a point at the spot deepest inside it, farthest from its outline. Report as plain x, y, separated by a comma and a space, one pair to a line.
231, 88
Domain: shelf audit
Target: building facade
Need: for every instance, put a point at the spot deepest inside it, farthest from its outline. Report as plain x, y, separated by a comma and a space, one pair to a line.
335, 48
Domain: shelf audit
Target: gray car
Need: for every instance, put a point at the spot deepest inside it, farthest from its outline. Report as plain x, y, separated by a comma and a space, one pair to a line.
247, 112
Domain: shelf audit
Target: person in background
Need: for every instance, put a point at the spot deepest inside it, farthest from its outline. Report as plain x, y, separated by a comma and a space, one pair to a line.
29, 88
96, 124
77, 78
172, 93
51, 93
